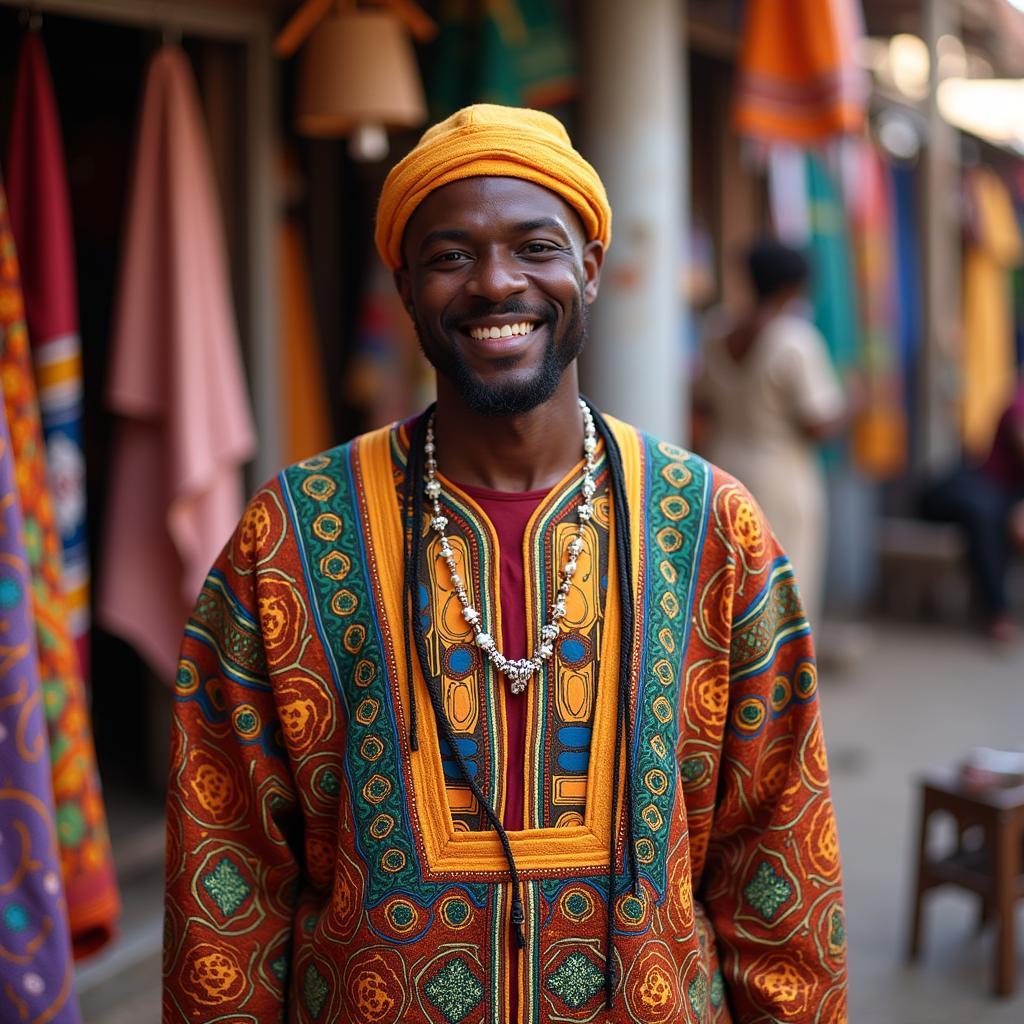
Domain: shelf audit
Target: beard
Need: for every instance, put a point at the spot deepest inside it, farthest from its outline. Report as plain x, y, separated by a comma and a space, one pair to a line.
514, 397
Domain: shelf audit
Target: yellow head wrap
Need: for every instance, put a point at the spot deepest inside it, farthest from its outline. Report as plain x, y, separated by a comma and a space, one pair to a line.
490, 141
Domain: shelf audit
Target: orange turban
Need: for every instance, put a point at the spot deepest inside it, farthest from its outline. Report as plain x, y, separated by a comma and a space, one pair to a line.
490, 141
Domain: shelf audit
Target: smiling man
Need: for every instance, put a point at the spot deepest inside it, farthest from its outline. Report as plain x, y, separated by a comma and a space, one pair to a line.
507, 713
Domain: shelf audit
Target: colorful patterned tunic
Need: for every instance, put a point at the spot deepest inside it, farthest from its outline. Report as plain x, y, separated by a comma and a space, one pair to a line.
320, 870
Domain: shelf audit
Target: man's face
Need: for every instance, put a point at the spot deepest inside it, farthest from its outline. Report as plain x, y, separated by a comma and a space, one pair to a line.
487, 256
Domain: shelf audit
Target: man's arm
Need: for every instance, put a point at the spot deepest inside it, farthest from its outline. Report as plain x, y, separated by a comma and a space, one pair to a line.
772, 884
231, 814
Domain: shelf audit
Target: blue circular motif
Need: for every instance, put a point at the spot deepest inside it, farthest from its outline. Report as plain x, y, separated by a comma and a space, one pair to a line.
573, 649
16, 917
461, 659
10, 592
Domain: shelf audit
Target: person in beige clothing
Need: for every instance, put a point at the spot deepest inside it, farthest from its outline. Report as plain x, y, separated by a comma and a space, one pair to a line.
769, 395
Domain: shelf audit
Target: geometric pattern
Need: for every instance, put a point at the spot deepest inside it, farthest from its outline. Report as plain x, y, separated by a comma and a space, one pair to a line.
454, 990
767, 891
226, 886
292, 753
314, 991
576, 981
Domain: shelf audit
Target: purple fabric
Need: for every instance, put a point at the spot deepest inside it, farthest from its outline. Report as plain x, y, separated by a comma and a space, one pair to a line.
36, 977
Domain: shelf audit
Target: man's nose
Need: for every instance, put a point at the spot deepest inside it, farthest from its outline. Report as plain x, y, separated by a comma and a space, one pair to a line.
496, 276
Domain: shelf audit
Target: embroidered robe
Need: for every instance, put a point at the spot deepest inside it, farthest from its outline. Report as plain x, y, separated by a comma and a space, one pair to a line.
318, 869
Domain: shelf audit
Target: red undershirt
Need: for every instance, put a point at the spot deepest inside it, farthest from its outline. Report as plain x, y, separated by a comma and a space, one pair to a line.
509, 512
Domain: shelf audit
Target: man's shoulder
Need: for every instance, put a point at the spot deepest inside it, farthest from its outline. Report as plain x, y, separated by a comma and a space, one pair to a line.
333, 462
705, 483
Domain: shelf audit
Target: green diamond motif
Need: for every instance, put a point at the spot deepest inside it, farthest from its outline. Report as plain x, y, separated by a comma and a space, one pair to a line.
226, 886
717, 989
454, 990
767, 891
698, 993
576, 981
836, 930
692, 769
314, 991
279, 968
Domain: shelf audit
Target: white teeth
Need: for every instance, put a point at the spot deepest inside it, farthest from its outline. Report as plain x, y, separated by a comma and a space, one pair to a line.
505, 331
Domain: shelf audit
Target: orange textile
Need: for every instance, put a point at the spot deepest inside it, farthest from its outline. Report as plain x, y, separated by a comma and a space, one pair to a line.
989, 373
86, 860
798, 77
306, 429
880, 429
488, 140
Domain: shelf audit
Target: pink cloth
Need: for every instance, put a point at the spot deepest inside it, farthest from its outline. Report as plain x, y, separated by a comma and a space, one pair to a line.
185, 428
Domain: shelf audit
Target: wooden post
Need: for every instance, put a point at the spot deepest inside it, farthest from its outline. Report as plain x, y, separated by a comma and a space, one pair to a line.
635, 135
939, 365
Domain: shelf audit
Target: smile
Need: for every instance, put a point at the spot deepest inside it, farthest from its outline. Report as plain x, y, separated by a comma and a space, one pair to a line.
504, 331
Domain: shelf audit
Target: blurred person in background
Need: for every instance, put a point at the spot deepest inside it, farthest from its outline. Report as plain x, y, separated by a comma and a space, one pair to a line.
765, 398
986, 500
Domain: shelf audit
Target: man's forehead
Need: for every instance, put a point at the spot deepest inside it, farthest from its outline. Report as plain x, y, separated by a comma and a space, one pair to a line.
490, 201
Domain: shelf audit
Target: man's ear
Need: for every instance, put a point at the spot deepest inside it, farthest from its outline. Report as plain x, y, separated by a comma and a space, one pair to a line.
593, 260
404, 286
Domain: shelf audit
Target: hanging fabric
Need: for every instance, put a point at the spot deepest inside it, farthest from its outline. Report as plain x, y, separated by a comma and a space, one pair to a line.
40, 209
36, 975
994, 246
183, 429
86, 860
799, 80
306, 422
512, 52
908, 276
388, 377
880, 429
832, 289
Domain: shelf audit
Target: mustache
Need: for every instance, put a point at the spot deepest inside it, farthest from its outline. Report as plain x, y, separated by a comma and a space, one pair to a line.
455, 320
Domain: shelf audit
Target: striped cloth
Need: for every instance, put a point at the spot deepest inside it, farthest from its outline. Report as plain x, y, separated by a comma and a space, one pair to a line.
40, 212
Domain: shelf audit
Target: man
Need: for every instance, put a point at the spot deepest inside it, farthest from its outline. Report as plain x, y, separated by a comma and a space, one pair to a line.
552, 754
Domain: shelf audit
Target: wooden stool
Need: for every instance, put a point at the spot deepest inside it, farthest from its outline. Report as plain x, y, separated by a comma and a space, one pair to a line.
991, 869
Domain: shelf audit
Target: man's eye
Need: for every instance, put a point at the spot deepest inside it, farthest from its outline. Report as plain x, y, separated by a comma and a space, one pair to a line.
452, 256
538, 248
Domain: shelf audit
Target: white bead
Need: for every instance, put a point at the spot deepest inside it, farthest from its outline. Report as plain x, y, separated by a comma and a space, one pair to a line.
545, 651
575, 547
471, 615
585, 512
439, 523
456, 581
570, 567
549, 633
433, 488
589, 488
558, 612
589, 444
483, 639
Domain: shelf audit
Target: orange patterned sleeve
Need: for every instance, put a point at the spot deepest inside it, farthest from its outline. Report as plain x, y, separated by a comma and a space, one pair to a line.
772, 887
232, 813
